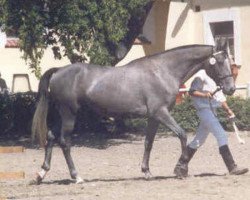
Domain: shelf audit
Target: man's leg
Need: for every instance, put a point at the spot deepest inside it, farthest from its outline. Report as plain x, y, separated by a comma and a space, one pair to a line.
181, 168
214, 126
229, 161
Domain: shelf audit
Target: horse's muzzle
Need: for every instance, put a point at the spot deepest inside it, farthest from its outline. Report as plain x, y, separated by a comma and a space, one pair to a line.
229, 91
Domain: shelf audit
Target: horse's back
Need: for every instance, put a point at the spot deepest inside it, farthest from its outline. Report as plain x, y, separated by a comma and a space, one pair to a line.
125, 89
107, 87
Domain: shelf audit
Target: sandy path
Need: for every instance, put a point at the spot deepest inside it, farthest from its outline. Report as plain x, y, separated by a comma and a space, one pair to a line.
114, 173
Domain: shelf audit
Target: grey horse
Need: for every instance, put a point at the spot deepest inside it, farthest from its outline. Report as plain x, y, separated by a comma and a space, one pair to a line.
144, 87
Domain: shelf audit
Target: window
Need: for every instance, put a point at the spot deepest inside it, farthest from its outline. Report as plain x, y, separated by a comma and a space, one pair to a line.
224, 22
20, 83
225, 29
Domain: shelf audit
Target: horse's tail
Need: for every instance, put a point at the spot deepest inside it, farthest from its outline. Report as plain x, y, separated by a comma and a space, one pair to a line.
39, 124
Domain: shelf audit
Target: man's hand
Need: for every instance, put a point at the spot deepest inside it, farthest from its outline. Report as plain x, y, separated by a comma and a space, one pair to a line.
229, 112
208, 95
231, 116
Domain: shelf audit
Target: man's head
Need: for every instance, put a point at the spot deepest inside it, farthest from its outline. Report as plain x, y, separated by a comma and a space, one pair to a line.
234, 68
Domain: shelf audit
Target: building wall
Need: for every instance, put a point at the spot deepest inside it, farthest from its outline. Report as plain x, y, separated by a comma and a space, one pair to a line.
11, 63
244, 74
155, 30
185, 25
240, 12
168, 25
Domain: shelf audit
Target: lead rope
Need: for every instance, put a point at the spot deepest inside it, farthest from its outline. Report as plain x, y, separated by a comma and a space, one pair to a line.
209, 100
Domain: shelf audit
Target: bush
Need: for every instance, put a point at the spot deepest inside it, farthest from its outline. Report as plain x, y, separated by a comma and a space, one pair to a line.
17, 113
5, 113
185, 116
241, 109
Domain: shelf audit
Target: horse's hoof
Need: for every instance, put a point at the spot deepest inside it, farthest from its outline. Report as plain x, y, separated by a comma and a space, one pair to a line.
78, 180
33, 182
181, 171
148, 175
36, 181
40, 176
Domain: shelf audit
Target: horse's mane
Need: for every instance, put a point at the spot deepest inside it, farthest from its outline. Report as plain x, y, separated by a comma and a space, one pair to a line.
172, 50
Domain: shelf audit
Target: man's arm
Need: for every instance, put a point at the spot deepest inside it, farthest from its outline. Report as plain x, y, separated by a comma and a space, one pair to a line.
229, 112
197, 93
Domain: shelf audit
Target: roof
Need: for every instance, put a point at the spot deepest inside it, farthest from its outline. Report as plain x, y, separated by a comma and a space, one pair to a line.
12, 43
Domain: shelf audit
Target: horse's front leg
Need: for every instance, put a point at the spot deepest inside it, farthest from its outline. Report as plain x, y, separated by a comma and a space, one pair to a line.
165, 118
68, 121
150, 135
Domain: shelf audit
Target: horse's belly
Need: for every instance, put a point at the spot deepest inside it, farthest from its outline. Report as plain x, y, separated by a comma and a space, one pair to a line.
119, 105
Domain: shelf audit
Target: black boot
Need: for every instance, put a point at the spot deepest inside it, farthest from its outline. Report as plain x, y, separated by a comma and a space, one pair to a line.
181, 168
229, 161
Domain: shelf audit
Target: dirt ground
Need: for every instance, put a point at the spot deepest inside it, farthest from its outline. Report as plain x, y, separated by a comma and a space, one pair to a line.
112, 171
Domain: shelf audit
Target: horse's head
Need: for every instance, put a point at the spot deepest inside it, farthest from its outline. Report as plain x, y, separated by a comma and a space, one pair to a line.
220, 67
219, 70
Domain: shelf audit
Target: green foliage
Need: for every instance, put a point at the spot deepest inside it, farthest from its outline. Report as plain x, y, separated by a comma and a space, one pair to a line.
74, 28
6, 112
241, 109
185, 116
17, 112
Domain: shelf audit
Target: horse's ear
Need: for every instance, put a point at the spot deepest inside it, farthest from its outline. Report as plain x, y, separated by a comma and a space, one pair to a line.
212, 61
221, 44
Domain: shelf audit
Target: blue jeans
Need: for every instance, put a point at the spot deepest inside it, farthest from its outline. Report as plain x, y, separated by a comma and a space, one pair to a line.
209, 123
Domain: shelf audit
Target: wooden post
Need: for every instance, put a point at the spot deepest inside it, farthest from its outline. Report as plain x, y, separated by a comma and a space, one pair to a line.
9, 149
12, 175
248, 90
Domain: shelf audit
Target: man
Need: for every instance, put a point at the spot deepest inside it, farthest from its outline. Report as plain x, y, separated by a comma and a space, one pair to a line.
3, 86
206, 102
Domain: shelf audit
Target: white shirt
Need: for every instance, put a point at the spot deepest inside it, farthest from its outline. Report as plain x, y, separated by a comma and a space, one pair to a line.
203, 83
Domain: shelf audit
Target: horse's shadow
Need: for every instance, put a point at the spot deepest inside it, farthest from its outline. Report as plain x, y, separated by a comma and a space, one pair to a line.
208, 175
86, 181
107, 180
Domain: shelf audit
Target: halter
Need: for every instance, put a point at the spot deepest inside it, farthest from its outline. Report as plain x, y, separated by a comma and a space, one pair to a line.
209, 100
219, 52
223, 77
219, 87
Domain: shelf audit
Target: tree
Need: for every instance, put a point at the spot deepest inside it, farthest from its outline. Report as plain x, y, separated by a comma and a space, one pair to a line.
101, 30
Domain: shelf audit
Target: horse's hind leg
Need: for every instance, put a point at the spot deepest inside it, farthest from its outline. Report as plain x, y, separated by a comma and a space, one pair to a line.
165, 118
150, 135
68, 122
46, 164
47, 159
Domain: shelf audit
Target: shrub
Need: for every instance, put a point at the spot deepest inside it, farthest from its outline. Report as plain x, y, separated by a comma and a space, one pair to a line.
17, 113
5, 113
185, 116
241, 109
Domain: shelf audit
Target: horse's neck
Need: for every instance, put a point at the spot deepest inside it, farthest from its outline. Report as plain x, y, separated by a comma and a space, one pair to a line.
190, 71
186, 64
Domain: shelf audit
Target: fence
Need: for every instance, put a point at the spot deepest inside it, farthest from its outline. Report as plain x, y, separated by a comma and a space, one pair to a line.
238, 87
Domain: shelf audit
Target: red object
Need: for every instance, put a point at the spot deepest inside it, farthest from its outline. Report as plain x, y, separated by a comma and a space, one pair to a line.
180, 95
12, 43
